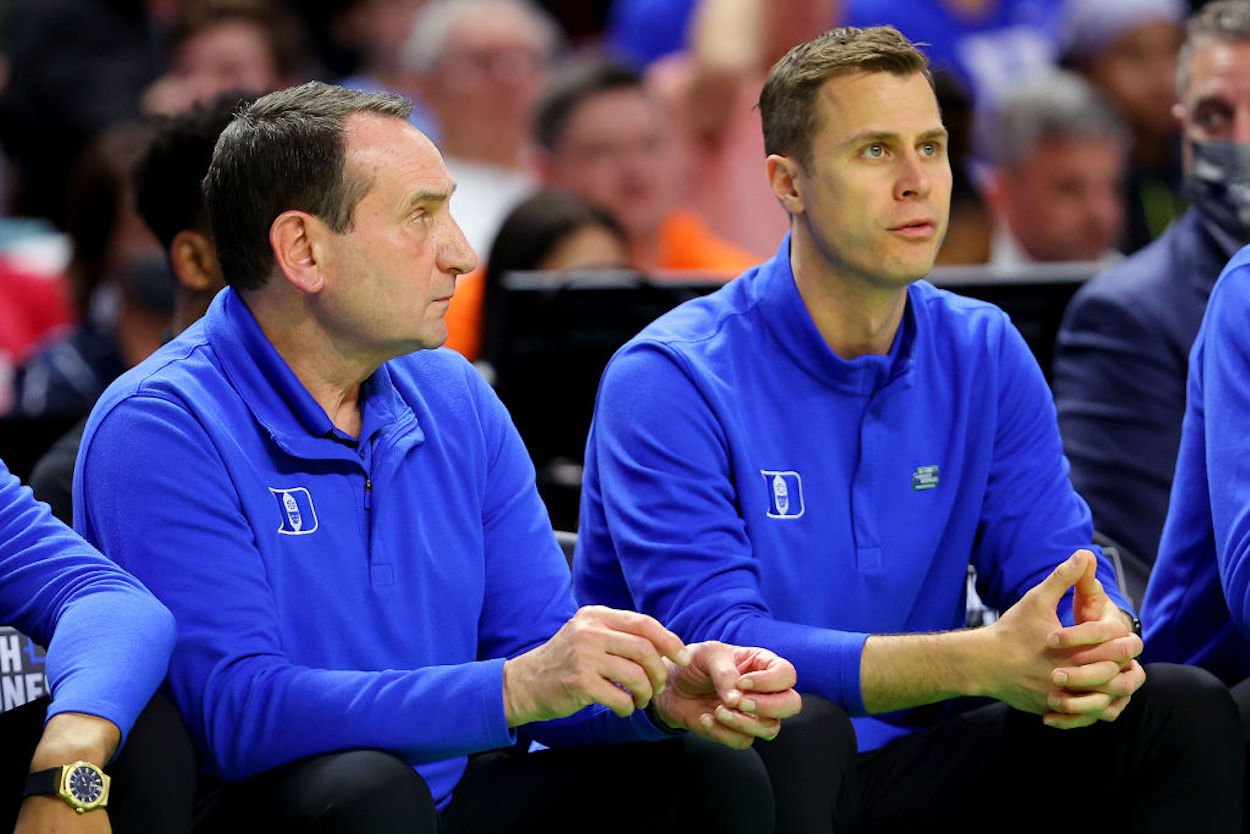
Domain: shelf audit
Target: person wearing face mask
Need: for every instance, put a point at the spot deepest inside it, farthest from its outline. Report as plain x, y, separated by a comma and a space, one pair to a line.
1120, 357
1197, 606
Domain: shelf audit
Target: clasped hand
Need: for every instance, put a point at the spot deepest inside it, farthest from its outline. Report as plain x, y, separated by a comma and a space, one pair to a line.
625, 660
1073, 675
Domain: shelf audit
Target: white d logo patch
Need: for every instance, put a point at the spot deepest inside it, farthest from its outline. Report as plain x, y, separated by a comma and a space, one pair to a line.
785, 493
295, 508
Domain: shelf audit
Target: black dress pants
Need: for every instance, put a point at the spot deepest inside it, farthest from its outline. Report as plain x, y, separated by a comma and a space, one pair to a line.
1172, 762
153, 775
679, 785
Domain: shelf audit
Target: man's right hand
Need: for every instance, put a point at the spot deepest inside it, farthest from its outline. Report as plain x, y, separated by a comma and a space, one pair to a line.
585, 660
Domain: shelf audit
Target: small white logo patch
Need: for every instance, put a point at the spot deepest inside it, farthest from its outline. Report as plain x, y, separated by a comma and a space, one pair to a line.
785, 493
295, 508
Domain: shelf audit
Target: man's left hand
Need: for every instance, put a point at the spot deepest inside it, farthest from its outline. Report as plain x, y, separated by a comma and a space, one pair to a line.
729, 694
1101, 671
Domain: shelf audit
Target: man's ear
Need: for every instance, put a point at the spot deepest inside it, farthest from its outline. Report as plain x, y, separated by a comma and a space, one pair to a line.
194, 260
783, 176
296, 237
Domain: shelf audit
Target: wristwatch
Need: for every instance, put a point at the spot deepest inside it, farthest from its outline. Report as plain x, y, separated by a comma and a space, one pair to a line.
83, 785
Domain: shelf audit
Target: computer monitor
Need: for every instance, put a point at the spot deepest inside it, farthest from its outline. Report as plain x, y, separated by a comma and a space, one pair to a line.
554, 333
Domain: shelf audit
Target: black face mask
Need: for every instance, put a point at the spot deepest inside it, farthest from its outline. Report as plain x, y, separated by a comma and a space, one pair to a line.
1219, 185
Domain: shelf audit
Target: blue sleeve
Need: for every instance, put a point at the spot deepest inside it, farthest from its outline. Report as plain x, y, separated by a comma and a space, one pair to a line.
528, 595
1031, 517
108, 639
1120, 394
1223, 367
671, 511
152, 493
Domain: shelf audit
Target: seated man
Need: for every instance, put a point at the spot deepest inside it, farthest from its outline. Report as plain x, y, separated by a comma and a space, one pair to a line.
108, 644
810, 458
366, 586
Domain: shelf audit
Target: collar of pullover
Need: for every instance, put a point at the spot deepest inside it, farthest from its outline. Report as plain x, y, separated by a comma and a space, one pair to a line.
790, 324
277, 398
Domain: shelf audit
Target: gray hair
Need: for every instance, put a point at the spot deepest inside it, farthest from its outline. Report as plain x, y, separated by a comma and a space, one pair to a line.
1053, 105
1226, 20
434, 23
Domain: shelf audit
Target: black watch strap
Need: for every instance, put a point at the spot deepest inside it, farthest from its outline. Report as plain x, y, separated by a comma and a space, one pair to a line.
43, 782
1136, 622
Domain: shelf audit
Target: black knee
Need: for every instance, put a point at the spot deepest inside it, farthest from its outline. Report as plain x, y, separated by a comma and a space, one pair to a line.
154, 775
811, 765
1193, 699
360, 790
822, 731
728, 790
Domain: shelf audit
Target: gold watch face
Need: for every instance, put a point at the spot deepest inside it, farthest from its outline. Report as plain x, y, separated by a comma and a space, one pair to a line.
84, 786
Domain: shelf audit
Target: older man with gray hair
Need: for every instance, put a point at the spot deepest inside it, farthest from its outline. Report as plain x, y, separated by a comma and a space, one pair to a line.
365, 581
1058, 154
479, 66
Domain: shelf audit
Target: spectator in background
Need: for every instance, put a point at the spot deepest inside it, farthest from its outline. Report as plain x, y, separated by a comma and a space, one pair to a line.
551, 230
1127, 49
122, 291
376, 32
709, 92
601, 135
169, 199
250, 46
1058, 155
1121, 356
480, 65
73, 68
32, 307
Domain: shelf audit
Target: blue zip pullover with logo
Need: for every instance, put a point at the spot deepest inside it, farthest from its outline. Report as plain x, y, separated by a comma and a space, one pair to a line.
329, 594
744, 483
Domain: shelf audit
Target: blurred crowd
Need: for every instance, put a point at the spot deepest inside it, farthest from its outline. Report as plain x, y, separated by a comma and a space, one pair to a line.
618, 133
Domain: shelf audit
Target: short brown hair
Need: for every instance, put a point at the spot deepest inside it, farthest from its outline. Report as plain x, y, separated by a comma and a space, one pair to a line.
788, 100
